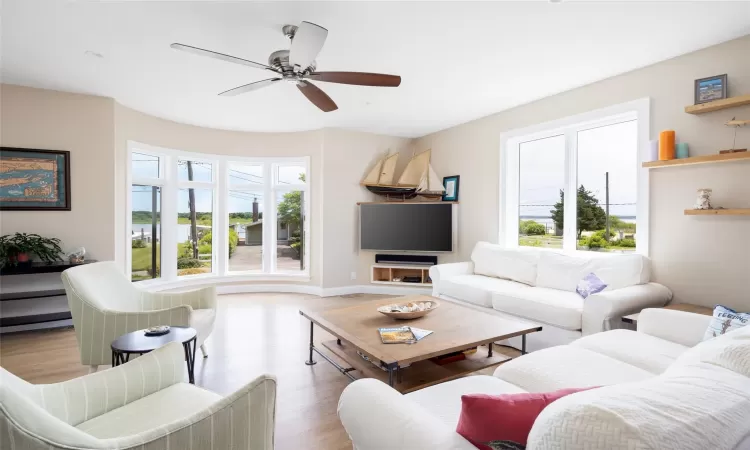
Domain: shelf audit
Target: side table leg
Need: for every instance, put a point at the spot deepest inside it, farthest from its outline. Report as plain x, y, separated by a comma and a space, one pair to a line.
310, 360
190, 358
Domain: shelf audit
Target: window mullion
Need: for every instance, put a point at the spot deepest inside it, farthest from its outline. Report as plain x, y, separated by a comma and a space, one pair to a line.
169, 221
269, 221
220, 218
570, 233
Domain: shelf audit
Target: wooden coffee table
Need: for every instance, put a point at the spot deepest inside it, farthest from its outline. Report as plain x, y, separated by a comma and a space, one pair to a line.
405, 366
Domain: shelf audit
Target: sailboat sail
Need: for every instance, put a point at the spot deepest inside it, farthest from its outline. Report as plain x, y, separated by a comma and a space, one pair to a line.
415, 169
430, 182
388, 170
374, 175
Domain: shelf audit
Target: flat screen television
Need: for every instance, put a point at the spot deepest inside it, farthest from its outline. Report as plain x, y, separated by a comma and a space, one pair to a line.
406, 227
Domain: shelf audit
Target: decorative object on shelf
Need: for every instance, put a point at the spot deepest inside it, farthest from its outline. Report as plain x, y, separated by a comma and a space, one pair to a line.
653, 150
681, 150
418, 178
710, 89
666, 145
76, 256
736, 124
451, 185
34, 180
704, 199
411, 310
158, 330
18, 248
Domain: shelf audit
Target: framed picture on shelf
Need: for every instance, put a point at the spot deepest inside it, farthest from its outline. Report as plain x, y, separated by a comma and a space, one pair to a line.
710, 89
451, 188
34, 180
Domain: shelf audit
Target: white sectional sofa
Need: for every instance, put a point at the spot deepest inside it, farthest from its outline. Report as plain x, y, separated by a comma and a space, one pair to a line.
655, 392
540, 285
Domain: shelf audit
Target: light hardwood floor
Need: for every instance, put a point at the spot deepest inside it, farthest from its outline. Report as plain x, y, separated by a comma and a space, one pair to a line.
254, 334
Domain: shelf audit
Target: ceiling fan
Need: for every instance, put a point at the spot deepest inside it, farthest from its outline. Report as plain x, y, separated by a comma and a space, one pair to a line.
297, 66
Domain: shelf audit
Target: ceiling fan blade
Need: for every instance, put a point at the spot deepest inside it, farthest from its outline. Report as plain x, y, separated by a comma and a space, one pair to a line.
316, 96
249, 87
307, 42
358, 78
221, 56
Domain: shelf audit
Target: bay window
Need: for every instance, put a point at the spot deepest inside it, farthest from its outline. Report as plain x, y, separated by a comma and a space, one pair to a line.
194, 216
577, 184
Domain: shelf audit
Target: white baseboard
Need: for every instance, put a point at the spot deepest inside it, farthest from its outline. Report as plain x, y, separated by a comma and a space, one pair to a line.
321, 292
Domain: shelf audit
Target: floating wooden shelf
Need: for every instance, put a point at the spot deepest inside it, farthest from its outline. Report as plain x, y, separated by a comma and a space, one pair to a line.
717, 105
718, 212
726, 157
407, 203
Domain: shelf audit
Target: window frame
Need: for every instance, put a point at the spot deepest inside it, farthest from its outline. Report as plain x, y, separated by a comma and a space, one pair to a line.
170, 185
569, 127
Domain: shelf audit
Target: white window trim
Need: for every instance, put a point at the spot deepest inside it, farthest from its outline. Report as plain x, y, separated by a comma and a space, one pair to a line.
569, 127
220, 185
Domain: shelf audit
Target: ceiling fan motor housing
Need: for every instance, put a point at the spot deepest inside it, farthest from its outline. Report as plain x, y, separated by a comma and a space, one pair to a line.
279, 60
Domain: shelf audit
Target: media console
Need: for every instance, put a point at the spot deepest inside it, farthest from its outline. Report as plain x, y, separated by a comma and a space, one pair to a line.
406, 275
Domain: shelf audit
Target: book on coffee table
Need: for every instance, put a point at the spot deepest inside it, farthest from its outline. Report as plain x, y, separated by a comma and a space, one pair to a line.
397, 335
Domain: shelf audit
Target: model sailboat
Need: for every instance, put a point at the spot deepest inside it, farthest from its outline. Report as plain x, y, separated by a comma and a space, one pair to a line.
418, 178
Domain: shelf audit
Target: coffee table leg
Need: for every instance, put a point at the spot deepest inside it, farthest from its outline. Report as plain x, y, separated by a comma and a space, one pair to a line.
392, 369
310, 361
523, 344
489, 351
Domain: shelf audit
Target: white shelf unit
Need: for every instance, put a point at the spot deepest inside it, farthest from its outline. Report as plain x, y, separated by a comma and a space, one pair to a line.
385, 273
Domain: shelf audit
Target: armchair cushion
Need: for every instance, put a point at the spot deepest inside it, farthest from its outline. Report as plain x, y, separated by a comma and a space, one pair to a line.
177, 402
203, 322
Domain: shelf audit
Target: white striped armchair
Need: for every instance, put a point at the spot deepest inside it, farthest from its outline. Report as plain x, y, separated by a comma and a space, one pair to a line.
105, 305
143, 404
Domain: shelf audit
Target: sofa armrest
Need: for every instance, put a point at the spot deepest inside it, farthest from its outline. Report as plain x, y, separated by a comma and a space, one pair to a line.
377, 417
682, 327
441, 272
204, 298
604, 311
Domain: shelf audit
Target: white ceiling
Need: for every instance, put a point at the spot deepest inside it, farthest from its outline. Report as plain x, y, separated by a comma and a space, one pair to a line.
458, 60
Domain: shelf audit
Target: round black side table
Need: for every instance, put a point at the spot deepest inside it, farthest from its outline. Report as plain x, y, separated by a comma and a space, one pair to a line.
138, 342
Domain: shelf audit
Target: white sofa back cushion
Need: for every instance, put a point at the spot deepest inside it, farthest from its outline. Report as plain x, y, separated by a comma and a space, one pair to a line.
563, 272
492, 260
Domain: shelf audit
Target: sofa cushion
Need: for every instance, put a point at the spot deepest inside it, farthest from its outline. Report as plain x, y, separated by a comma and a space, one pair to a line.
176, 402
551, 306
638, 349
696, 408
495, 261
567, 367
559, 271
444, 400
478, 289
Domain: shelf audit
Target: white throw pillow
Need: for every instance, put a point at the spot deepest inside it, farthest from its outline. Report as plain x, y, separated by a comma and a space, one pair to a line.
725, 320
492, 260
730, 351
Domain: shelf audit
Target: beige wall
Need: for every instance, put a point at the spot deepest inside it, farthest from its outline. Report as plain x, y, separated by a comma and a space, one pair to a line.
347, 158
704, 260
83, 125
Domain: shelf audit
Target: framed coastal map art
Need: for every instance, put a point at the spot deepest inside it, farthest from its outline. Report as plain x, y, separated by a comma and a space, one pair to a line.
34, 180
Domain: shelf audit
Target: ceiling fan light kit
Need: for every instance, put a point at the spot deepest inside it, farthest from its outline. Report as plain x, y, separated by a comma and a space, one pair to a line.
297, 65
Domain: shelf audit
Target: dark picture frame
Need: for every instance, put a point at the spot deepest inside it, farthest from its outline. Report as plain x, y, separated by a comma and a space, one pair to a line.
710, 89
25, 170
451, 185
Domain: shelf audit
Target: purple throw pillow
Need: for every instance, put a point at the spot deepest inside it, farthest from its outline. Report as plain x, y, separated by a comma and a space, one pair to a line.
591, 284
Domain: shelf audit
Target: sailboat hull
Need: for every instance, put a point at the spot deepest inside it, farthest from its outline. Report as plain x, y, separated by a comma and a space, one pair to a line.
393, 191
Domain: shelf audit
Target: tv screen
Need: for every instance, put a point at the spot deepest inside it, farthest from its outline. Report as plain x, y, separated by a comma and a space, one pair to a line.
406, 226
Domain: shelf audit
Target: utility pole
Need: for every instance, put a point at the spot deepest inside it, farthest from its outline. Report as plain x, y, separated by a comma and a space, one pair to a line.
191, 208
606, 188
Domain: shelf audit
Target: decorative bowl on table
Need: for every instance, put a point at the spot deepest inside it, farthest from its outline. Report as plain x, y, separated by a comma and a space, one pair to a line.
411, 310
158, 330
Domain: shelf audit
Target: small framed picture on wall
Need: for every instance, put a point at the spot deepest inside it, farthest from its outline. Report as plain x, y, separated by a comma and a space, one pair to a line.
710, 89
451, 188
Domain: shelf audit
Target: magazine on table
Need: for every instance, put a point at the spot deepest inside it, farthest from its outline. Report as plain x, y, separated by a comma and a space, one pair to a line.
402, 335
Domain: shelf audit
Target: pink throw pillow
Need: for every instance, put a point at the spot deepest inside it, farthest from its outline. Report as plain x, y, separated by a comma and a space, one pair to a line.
504, 419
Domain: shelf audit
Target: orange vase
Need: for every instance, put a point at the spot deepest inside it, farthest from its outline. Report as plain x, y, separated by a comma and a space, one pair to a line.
666, 145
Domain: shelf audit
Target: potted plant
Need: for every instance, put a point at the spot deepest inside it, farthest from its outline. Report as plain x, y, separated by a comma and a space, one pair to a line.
19, 248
